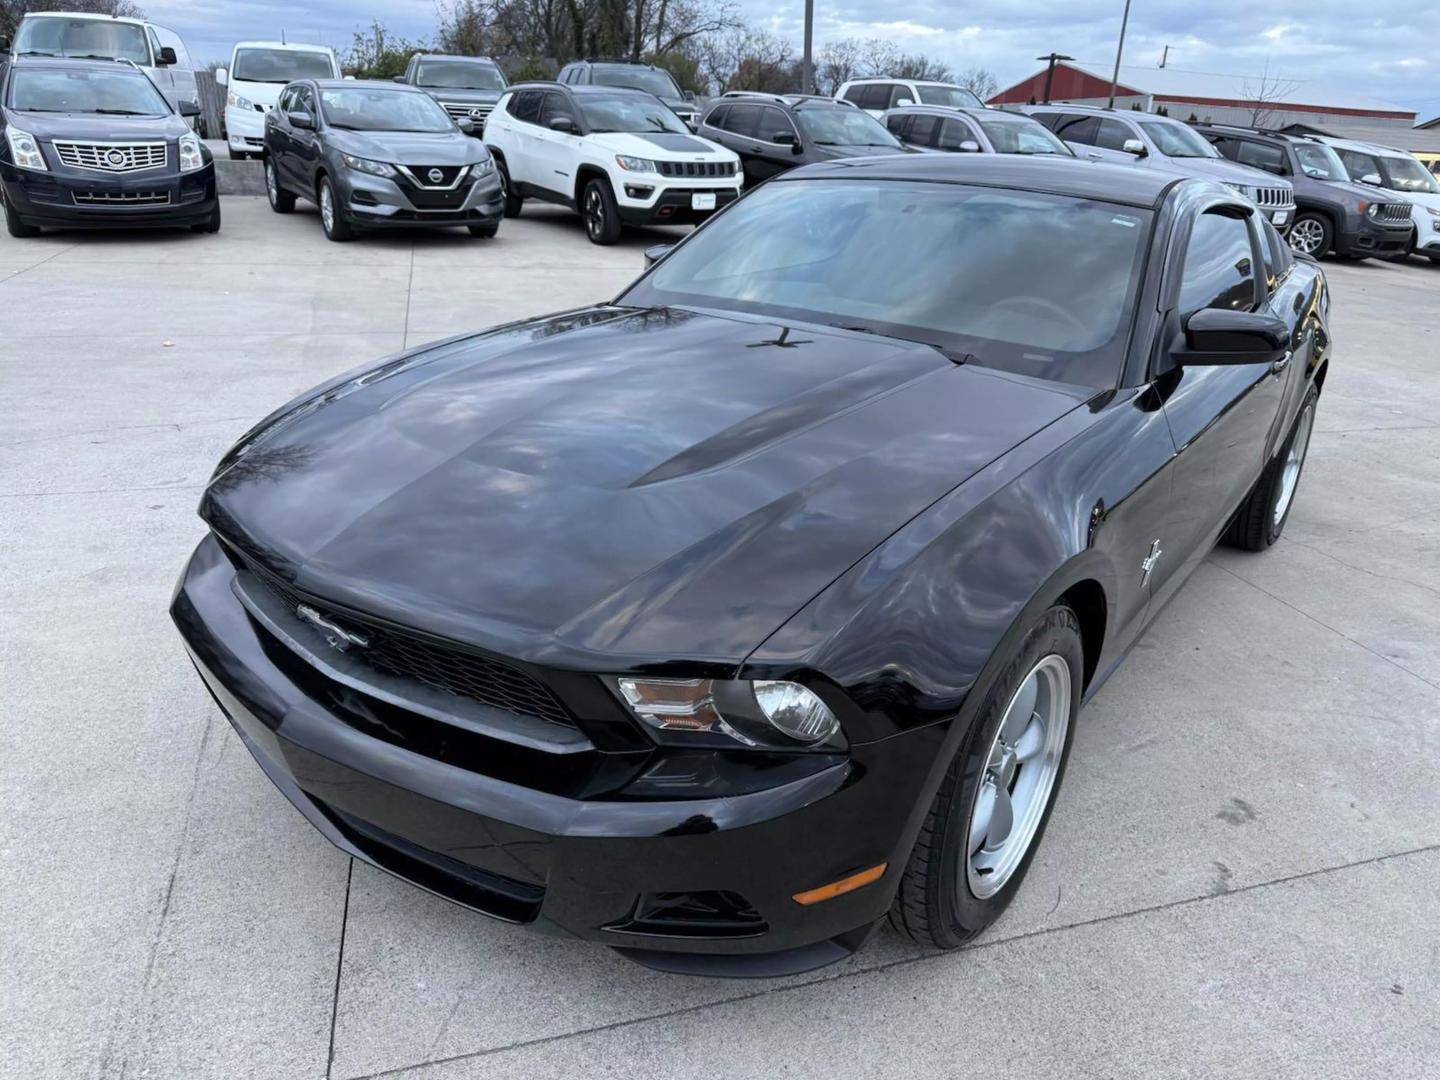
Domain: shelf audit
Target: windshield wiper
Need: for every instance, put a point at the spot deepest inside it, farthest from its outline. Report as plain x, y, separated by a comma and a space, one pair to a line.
953, 355
122, 112
36, 52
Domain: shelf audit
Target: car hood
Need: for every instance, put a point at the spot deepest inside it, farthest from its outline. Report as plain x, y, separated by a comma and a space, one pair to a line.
661, 145
63, 126
463, 97
1232, 172
615, 487
257, 93
409, 147
1362, 192
1419, 198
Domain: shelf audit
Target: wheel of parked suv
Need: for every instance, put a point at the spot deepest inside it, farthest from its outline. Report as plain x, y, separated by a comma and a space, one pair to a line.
602, 216
1262, 516
281, 201
513, 202
1311, 234
13, 225
987, 819
335, 226
210, 224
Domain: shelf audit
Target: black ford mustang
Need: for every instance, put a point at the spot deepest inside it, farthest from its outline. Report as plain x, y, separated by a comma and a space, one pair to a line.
720, 622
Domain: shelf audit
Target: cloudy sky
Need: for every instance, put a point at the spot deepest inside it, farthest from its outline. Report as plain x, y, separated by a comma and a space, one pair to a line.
1389, 51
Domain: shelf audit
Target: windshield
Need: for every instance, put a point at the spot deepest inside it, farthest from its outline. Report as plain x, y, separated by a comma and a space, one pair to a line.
116, 93
651, 80
459, 75
100, 39
374, 109
281, 65
628, 112
1012, 136
954, 97
1319, 162
841, 125
1177, 140
1036, 284
1407, 174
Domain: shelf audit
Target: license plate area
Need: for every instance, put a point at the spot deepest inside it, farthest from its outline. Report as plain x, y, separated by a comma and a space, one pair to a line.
702, 201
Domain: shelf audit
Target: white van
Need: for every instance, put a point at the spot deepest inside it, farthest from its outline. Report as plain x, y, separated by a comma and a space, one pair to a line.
157, 51
258, 71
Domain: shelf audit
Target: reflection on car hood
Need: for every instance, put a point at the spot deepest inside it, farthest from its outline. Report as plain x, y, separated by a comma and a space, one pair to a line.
83, 126
662, 145
409, 148
820, 150
1228, 172
616, 482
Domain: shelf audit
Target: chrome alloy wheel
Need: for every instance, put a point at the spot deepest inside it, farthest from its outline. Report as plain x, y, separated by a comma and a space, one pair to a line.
327, 208
1020, 773
1307, 235
594, 212
1294, 462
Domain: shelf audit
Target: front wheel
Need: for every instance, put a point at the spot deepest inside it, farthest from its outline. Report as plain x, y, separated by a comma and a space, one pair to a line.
986, 821
513, 202
13, 225
210, 224
1310, 235
335, 226
602, 215
1262, 516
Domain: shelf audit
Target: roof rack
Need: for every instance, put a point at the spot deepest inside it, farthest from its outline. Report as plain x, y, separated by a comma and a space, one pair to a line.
615, 60
785, 99
1278, 133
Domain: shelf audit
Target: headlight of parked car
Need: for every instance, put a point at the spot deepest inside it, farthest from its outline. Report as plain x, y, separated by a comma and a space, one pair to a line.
190, 156
1433, 212
635, 164
365, 165
480, 168
1242, 189
25, 150
763, 713
239, 102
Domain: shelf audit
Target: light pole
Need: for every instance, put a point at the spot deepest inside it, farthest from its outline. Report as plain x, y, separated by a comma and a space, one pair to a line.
1050, 71
807, 65
1119, 48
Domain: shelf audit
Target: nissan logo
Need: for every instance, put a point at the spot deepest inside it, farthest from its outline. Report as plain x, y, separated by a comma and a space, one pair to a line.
435, 176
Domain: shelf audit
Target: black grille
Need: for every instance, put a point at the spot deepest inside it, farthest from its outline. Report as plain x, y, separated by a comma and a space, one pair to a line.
435, 175
696, 168
410, 656
1394, 212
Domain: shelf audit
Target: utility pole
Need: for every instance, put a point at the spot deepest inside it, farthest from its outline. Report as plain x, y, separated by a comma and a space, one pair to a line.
1119, 48
1050, 71
807, 65
1165, 56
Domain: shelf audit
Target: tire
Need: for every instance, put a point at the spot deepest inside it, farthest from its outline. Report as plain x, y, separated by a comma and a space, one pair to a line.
14, 226
485, 232
1312, 234
331, 219
238, 155
949, 893
1262, 516
601, 214
513, 202
210, 224
281, 201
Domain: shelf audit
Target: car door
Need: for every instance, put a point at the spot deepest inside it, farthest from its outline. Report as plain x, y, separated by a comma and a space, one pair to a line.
277, 135
743, 125
160, 74
303, 150
1105, 141
773, 157
554, 159
182, 73
1222, 417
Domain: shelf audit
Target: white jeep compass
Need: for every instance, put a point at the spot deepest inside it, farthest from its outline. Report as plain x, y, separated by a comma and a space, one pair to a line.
617, 156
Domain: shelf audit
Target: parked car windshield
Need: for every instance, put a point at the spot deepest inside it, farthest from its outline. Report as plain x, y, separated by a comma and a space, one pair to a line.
118, 93
280, 65
628, 112
1033, 283
364, 108
953, 97
459, 75
1407, 174
100, 39
840, 125
1319, 162
1177, 140
1018, 135
651, 80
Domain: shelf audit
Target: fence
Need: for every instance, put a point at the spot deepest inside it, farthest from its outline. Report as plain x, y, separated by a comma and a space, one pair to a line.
211, 121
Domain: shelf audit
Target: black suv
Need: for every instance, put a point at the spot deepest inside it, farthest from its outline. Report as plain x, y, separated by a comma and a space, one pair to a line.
467, 87
647, 77
93, 144
774, 133
1332, 213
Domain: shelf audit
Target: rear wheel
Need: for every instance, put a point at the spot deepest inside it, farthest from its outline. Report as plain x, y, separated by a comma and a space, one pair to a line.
281, 201
1311, 235
1262, 516
987, 819
335, 226
13, 225
602, 216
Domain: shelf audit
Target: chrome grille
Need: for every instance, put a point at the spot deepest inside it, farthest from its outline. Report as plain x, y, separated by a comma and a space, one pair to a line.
112, 157
459, 110
696, 168
122, 198
1274, 196
1393, 212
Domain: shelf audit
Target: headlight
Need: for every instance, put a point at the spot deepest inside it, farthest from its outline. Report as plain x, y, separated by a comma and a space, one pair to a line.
239, 102
365, 165
1432, 211
480, 168
721, 712
635, 164
190, 155
25, 150
1242, 189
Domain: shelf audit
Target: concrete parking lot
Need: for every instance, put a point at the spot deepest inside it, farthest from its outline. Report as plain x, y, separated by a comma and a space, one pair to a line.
1242, 878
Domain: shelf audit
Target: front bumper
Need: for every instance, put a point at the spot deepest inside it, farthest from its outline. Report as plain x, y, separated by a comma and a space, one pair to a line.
90, 199
377, 202
642, 203
245, 129
1370, 237
1426, 232
574, 863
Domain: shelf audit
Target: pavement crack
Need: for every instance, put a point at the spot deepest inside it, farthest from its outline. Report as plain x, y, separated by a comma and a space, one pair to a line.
339, 970
1361, 569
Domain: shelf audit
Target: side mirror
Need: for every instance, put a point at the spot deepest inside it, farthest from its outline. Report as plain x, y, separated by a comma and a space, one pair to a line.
902, 101
399, 78
690, 96
1134, 146
167, 56
563, 123
302, 120
222, 76
1373, 179
189, 108
783, 138
969, 146
466, 124
655, 253
1214, 336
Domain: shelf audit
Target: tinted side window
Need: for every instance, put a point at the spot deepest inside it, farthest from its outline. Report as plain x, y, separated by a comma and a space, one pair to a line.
554, 106
1227, 146
526, 106
875, 96
1278, 259
901, 95
1219, 267
743, 120
716, 116
774, 122
1358, 164
926, 131
1112, 135
953, 133
1079, 129
1262, 156
898, 126
854, 93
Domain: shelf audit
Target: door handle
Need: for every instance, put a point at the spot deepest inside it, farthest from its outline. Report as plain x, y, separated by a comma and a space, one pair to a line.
1280, 365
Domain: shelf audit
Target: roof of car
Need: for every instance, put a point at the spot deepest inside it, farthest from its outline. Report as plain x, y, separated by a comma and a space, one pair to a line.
293, 46
72, 63
455, 56
368, 84
85, 15
1373, 149
1053, 174
968, 110
901, 78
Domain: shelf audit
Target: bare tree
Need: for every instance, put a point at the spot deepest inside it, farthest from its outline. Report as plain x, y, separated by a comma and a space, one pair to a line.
837, 63
1262, 97
978, 81
12, 11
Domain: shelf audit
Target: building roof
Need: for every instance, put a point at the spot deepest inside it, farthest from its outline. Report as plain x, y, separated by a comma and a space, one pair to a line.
1414, 140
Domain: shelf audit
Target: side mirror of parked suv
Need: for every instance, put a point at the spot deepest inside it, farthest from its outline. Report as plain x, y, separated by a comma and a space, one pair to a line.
189, 108
222, 76
1215, 336
969, 146
563, 123
655, 253
167, 56
786, 138
1134, 146
302, 120
1373, 179
398, 78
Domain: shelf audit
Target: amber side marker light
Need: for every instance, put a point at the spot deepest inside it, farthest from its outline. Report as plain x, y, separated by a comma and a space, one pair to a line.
839, 888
